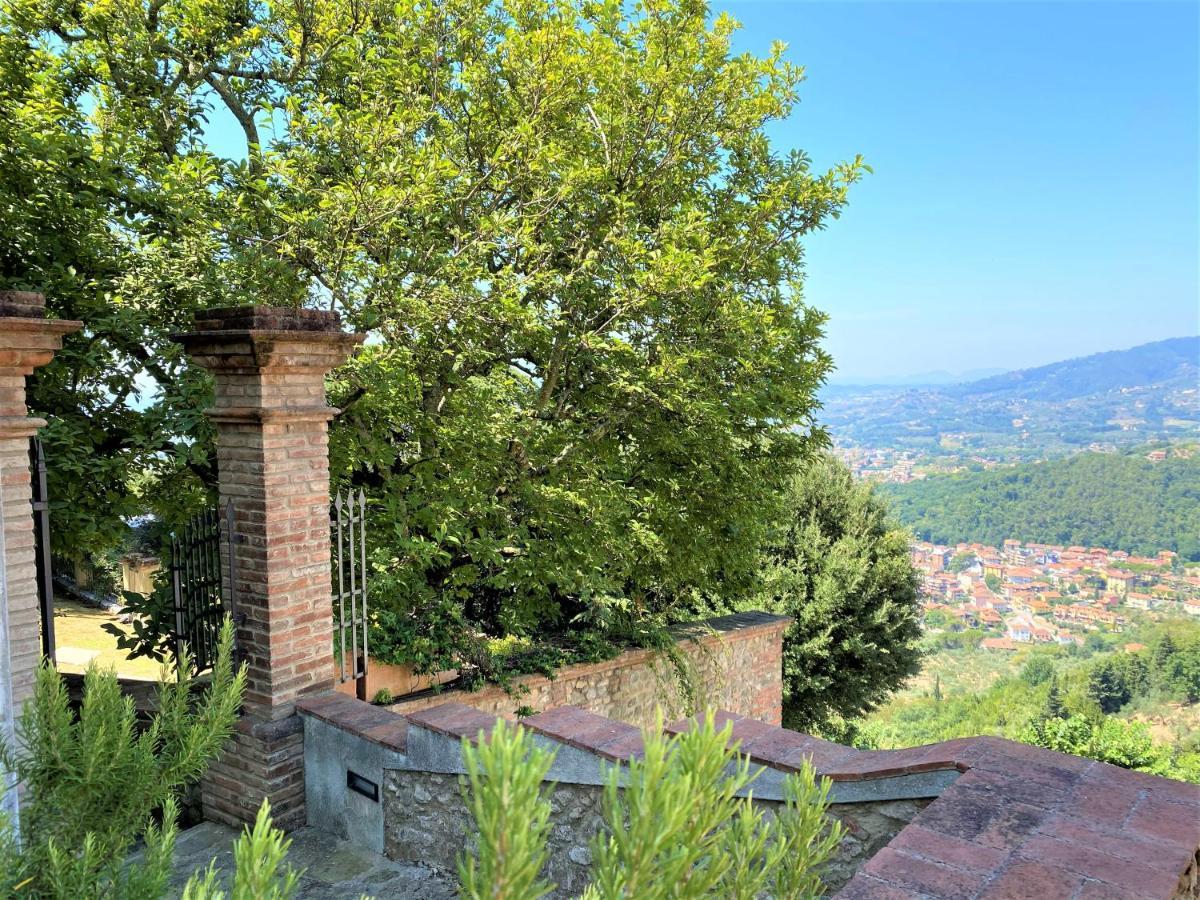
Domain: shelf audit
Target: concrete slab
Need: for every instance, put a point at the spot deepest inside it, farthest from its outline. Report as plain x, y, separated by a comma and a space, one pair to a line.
332, 868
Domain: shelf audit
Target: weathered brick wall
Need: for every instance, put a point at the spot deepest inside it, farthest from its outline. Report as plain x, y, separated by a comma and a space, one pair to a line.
427, 822
269, 370
27, 342
731, 662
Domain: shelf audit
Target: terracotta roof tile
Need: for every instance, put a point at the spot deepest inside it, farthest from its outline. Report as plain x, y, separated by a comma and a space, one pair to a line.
454, 720
585, 730
374, 723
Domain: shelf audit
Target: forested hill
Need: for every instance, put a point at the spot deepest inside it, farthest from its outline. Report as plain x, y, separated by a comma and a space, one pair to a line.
1122, 502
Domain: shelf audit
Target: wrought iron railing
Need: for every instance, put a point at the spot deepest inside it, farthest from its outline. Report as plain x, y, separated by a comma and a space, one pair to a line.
41, 544
201, 598
347, 522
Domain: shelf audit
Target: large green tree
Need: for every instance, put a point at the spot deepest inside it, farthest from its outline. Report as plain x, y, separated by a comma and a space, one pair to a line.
578, 254
840, 566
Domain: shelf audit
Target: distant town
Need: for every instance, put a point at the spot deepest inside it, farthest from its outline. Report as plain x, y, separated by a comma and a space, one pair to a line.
1028, 593
897, 466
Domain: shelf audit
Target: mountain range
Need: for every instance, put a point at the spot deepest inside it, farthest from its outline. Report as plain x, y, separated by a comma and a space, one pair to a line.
1113, 399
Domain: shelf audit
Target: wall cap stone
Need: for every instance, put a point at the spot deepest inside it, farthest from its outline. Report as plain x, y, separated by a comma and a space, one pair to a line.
454, 720
25, 304
584, 730
267, 318
372, 723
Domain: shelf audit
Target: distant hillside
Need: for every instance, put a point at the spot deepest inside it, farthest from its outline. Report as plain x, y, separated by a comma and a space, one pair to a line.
1168, 362
1122, 502
1121, 398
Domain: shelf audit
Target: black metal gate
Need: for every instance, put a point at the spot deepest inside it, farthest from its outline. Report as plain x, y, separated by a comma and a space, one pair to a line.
41, 532
201, 601
347, 523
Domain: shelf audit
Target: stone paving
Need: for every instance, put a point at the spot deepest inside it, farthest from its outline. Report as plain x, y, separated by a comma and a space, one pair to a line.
332, 869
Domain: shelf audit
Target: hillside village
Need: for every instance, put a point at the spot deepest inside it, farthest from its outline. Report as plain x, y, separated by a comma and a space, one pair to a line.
1022, 593
892, 465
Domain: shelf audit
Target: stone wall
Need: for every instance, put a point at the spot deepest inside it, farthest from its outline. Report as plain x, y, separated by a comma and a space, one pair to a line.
731, 662
964, 818
427, 822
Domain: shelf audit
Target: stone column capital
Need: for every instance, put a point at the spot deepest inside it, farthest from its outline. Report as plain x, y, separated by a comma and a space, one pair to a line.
28, 341
27, 338
248, 340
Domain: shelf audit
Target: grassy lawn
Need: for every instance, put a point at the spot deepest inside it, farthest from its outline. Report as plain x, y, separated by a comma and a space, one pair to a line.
80, 637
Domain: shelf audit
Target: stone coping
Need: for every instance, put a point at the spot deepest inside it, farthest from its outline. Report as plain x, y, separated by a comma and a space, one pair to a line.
24, 304
1019, 821
267, 318
1023, 821
372, 723
1008, 819
454, 720
584, 730
787, 751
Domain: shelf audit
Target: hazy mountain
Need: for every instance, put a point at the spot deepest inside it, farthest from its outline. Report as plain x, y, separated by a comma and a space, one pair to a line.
1120, 398
1175, 361
918, 379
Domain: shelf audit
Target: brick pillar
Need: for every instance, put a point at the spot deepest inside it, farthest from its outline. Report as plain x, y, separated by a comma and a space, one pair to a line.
269, 367
28, 341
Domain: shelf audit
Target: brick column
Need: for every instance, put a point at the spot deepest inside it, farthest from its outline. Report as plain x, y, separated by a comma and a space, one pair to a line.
28, 341
269, 367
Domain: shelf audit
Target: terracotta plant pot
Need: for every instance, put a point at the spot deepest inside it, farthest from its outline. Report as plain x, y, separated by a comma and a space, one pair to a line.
399, 681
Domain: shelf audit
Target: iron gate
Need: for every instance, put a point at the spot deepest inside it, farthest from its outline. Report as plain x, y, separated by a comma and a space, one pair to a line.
347, 524
41, 545
200, 601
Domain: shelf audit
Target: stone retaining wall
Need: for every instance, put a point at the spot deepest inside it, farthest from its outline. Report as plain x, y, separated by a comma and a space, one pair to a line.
971, 817
427, 822
731, 662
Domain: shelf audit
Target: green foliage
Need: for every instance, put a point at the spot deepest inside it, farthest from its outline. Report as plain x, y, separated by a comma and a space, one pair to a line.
1077, 702
151, 621
1038, 669
1124, 744
1144, 506
674, 827
839, 565
1053, 708
93, 783
937, 619
960, 562
563, 221
259, 871
505, 773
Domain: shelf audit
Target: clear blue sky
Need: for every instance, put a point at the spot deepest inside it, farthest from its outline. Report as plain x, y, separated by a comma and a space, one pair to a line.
1035, 194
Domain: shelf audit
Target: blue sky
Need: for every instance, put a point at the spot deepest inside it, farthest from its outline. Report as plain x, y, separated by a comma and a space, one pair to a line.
1035, 194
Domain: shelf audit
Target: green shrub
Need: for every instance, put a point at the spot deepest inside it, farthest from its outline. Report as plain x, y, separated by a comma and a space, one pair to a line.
94, 784
505, 775
673, 827
259, 872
